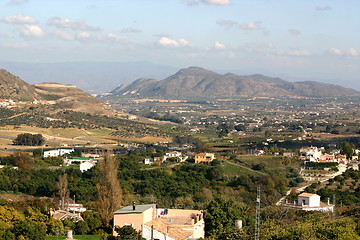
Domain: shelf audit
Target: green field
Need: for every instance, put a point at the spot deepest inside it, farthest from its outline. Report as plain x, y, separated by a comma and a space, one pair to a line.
77, 237
234, 169
272, 164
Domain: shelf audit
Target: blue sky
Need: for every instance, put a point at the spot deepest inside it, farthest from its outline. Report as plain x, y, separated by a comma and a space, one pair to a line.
308, 39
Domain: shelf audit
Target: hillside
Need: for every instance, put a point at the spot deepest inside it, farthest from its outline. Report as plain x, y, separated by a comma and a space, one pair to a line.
13, 87
72, 98
199, 83
63, 97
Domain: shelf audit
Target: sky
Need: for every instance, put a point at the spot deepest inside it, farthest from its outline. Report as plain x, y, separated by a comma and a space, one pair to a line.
306, 39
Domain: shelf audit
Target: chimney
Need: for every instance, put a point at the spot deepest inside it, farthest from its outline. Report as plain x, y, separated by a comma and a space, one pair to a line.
134, 206
328, 202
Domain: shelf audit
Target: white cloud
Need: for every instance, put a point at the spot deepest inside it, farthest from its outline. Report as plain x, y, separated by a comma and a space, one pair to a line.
226, 23
167, 42
326, 8
183, 42
32, 31
19, 19
335, 51
294, 32
83, 36
219, 46
130, 30
217, 2
79, 24
17, 2
64, 35
352, 52
250, 26
295, 52
299, 52
116, 38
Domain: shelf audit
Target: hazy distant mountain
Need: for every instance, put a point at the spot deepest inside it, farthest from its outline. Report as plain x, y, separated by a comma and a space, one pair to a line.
93, 77
196, 83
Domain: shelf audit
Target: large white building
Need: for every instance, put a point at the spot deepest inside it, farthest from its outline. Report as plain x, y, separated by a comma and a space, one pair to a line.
312, 154
57, 152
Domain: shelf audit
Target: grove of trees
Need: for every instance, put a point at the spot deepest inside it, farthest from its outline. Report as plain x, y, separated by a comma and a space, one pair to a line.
28, 139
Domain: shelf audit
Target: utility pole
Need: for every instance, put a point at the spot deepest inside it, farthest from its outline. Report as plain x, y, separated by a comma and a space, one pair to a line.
334, 200
257, 218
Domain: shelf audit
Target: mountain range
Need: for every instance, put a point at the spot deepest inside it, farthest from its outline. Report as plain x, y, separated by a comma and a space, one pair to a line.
92, 77
199, 83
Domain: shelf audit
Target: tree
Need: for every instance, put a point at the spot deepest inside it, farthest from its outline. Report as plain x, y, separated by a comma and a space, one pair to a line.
93, 221
63, 191
268, 133
22, 160
220, 217
81, 228
109, 192
28, 139
347, 149
127, 233
55, 227
30, 230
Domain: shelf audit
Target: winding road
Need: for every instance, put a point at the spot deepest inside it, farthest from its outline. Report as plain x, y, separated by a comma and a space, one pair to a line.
342, 169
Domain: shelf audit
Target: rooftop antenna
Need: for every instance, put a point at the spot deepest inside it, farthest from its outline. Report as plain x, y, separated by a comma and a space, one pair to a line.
257, 218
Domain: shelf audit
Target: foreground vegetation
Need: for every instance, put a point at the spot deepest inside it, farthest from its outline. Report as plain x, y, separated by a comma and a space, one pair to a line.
226, 189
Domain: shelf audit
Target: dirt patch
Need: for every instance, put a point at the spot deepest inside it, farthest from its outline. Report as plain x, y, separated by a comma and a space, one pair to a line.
15, 197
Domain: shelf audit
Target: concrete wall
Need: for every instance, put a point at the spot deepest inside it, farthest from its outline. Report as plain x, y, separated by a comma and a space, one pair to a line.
146, 233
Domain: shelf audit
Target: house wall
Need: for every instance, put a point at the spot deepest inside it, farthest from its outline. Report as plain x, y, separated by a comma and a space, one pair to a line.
85, 166
57, 152
146, 233
322, 209
313, 201
133, 219
207, 158
51, 153
199, 230
136, 219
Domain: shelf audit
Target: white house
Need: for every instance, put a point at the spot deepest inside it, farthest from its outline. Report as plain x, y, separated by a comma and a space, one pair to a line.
148, 161
312, 154
86, 166
76, 207
310, 202
173, 154
57, 152
183, 159
259, 152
